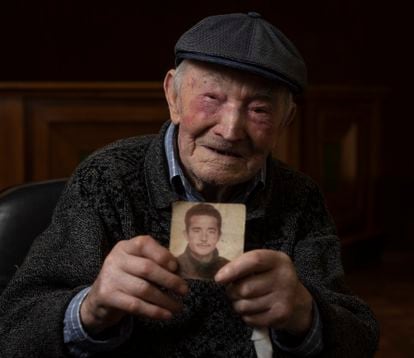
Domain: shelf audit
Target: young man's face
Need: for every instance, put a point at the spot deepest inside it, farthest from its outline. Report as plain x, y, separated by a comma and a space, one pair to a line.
203, 234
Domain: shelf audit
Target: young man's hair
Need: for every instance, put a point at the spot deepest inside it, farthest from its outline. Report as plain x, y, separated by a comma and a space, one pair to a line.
202, 209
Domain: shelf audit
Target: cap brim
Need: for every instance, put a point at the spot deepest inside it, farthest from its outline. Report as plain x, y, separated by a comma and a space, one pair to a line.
251, 68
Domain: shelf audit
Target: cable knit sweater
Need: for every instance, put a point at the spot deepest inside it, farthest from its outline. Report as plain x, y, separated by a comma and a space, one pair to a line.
122, 191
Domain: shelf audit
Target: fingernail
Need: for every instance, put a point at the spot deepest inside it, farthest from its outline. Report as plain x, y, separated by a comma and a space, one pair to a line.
183, 289
167, 315
218, 276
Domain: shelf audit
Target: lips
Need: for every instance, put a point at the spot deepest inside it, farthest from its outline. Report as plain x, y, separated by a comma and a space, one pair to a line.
226, 152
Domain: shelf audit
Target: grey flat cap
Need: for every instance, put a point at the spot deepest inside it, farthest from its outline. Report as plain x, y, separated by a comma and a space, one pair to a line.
245, 42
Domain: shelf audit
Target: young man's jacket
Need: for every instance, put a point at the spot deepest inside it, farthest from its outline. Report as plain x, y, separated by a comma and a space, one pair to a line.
190, 267
123, 191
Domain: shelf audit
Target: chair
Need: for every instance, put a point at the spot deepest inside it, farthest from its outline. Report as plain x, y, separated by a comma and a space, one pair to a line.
25, 211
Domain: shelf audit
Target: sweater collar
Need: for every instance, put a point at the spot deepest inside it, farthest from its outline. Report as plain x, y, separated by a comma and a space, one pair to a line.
156, 173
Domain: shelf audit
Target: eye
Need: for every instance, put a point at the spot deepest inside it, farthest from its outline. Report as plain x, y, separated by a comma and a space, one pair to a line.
211, 97
260, 110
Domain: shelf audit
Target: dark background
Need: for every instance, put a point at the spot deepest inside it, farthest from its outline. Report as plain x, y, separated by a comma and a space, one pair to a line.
354, 42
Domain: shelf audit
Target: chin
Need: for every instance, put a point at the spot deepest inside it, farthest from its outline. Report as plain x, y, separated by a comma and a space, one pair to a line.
223, 178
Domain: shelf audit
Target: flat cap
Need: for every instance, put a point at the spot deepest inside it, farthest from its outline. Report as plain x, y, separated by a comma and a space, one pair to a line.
246, 42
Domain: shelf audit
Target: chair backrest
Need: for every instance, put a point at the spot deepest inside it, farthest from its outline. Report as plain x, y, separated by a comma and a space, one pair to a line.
25, 211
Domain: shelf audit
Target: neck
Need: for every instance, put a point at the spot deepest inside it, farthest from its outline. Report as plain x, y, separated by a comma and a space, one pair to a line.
215, 193
201, 259
204, 259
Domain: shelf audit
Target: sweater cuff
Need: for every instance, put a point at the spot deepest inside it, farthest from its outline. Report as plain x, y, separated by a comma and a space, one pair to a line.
79, 342
309, 346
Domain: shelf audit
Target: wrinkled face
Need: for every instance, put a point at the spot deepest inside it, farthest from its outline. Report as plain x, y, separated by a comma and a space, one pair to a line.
203, 234
228, 122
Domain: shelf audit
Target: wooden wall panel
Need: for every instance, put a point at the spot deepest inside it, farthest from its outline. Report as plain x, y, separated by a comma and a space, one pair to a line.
12, 136
287, 148
65, 131
46, 129
340, 149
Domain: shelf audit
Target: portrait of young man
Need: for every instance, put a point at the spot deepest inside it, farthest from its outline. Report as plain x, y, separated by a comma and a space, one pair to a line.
198, 243
201, 258
101, 279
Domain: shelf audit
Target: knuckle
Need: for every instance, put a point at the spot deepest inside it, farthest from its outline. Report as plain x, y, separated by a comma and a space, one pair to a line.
101, 292
143, 288
246, 289
119, 246
173, 282
282, 313
134, 306
240, 306
257, 259
139, 243
146, 268
110, 261
164, 257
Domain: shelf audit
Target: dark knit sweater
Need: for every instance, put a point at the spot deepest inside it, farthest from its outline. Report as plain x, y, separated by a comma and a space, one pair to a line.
122, 191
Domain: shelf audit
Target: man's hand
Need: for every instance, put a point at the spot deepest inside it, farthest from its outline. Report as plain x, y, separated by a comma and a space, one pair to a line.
129, 283
266, 292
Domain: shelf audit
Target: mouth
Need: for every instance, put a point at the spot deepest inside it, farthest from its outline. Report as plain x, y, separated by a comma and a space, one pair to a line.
225, 152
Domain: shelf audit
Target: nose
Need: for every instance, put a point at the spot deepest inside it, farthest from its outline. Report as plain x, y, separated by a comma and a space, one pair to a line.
231, 126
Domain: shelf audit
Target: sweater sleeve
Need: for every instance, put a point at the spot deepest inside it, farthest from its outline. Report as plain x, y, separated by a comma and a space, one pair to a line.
349, 327
80, 343
62, 261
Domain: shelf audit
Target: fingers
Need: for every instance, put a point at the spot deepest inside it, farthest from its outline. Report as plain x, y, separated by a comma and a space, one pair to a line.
146, 246
151, 271
250, 287
250, 263
132, 280
144, 257
138, 307
147, 292
266, 319
265, 291
252, 306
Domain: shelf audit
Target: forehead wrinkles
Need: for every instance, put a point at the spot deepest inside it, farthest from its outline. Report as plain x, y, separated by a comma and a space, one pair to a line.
197, 78
246, 85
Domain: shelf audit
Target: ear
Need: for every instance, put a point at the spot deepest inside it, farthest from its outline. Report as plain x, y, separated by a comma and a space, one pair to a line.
290, 114
172, 96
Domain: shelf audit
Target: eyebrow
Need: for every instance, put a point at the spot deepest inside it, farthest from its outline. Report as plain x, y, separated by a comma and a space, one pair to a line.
268, 93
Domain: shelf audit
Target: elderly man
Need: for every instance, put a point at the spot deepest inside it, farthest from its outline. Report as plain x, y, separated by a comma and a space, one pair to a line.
101, 280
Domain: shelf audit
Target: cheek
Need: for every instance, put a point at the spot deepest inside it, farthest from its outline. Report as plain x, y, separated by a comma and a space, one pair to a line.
202, 110
263, 137
208, 108
195, 119
192, 245
213, 239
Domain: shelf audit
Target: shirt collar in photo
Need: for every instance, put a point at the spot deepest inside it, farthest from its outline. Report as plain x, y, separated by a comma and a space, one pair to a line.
181, 184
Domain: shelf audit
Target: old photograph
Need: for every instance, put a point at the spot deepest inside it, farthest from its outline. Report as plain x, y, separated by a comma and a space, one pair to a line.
206, 236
